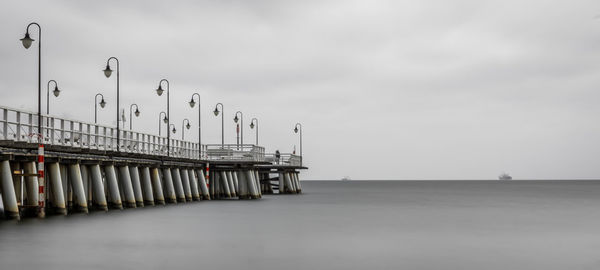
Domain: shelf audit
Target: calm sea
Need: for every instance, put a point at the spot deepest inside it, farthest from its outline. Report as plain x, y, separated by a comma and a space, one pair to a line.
333, 225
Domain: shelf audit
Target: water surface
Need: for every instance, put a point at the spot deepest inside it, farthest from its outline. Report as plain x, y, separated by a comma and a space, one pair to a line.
333, 225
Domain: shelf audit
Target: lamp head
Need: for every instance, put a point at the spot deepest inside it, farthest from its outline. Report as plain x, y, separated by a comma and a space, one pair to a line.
166, 120
159, 90
192, 103
252, 125
174, 130
216, 111
296, 130
107, 71
27, 41
137, 112
188, 126
236, 119
56, 92
102, 103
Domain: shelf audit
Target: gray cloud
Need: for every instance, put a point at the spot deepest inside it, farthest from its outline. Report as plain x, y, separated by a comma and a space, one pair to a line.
384, 89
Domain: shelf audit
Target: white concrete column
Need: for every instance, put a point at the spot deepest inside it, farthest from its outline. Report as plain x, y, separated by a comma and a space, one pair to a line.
185, 181
288, 183
232, 185
179, 192
251, 184
281, 187
157, 187
113, 186
170, 195
80, 201
134, 174
98, 187
225, 183
242, 185
86, 186
125, 180
202, 184
31, 184
147, 186
193, 184
58, 196
258, 184
9, 197
297, 178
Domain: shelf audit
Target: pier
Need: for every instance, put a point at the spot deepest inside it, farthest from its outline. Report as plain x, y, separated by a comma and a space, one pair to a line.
70, 166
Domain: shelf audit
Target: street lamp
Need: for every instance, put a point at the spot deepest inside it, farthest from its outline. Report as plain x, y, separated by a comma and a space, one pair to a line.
137, 113
192, 104
164, 119
56, 92
216, 111
102, 104
183, 125
159, 92
107, 73
27, 41
252, 126
173, 130
235, 119
296, 131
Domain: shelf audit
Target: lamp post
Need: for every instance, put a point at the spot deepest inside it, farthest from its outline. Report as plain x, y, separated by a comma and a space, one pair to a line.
216, 111
192, 104
107, 73
164, 119
159, 92
137, 113
173, 130
252, 126
183, 126
102, 104
27, 41
296, 131
56, 92
235, 119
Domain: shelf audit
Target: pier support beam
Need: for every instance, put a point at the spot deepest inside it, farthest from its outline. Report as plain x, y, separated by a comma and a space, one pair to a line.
98, 187
242, 185
251, 184
225, 183
147, 186
58, 196
185, 181
193, 184
157, 187
179, 192
202, 184
289, 188
125, 181
134, 174
113, 187
9, 197
170, 195
32, 189
257, 181
80, 202
281, 188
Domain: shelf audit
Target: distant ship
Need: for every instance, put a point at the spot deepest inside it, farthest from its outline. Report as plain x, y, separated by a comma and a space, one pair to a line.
346, 178
504, 176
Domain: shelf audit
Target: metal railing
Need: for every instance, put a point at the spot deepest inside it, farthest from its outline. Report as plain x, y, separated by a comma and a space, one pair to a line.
21, 126
284, 159
248, 152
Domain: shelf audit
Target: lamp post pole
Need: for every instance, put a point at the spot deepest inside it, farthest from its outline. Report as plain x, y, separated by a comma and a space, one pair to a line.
27, 40
107, 73
164, 119
235, 119
137, 113
102, 104
192, 104
222, 122
252, 126
159, 91
183, 126
296, 131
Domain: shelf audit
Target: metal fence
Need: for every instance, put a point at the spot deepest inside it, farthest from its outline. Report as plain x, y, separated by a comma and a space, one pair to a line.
235, 152
284, 159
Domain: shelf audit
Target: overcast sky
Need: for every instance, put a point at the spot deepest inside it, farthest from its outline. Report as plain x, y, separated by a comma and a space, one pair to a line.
432, 89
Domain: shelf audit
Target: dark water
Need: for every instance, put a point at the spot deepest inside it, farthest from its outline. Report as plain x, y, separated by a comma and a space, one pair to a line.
334, 225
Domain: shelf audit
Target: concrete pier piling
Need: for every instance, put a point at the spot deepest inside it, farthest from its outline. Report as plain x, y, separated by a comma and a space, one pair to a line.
185, 181
7, 189
224, 182
57, 200
244, 193
177, 184
288, 188
146, 183
127, 187
193, 180
232, 184
169, 189
79, 198
113, 187
203, 186
98, 187
31, 188
158, 193
134, 174
251, 184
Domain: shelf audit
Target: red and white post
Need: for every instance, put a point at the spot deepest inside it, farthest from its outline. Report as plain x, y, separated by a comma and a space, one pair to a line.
41, 180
